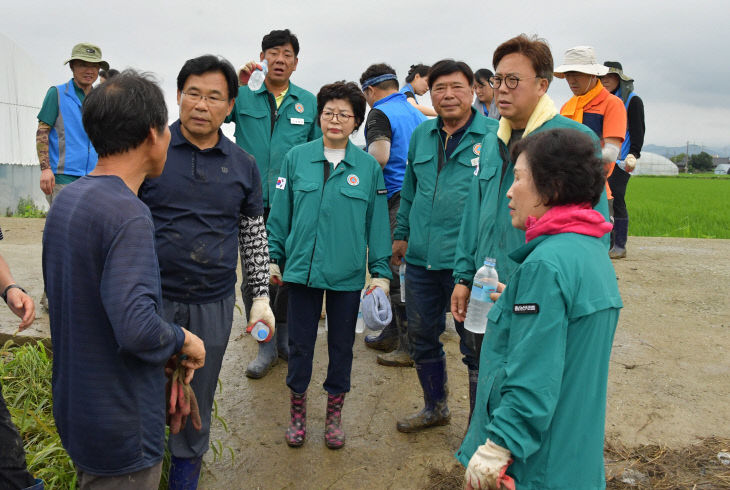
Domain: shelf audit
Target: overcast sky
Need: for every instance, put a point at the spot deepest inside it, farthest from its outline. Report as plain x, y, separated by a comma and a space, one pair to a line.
676, 51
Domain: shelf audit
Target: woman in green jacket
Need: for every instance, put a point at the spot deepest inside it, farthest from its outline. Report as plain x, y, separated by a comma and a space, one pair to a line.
328, 221
540, 409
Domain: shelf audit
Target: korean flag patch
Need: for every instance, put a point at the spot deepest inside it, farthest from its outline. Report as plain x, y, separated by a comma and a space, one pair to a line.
281, 183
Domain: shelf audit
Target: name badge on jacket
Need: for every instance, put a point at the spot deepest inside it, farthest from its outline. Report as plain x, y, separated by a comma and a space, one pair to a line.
297, 120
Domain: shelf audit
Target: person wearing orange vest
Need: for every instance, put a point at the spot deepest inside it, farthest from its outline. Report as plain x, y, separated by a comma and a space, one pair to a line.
593, 105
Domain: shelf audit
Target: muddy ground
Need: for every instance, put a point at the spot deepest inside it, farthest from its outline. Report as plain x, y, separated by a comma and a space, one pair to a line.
669, 381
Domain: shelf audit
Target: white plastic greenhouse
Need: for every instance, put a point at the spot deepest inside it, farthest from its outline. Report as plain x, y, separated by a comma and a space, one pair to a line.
22, 90
654, 164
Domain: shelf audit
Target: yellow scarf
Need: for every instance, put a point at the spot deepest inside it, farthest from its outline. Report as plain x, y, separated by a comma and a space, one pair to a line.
573, 109
543, 112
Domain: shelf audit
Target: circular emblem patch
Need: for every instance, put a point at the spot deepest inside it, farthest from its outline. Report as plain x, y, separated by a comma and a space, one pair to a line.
477, 148
352, 179
299, 107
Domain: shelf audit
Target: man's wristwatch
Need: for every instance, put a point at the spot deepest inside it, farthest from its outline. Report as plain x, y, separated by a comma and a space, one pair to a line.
5, 292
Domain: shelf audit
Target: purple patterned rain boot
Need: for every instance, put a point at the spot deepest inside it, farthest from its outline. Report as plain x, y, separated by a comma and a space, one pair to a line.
334, 436
297, 431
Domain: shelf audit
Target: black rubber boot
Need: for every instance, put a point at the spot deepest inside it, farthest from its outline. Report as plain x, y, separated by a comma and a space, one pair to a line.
432, 376
400, 356
385, 340
620, 233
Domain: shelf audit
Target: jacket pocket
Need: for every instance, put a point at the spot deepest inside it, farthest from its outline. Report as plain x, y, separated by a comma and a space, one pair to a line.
487, 173
254, 113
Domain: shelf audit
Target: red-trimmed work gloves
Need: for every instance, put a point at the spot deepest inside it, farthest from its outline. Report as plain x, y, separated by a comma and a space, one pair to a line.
487, 468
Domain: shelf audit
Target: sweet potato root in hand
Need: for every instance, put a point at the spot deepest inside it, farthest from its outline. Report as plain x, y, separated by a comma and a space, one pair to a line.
181, 402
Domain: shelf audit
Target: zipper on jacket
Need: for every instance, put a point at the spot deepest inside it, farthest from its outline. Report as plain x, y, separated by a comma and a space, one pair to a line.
325, 178
274, 110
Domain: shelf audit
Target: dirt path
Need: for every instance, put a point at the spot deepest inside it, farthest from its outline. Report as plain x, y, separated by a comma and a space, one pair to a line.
668, 381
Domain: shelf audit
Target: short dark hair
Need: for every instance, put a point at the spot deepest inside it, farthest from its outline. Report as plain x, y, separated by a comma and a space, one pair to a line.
209, 63
376, 70
534, 48
447, 67
119, 113
348, 91
107, 74
564, 166
279, 38
482, 75
418, 69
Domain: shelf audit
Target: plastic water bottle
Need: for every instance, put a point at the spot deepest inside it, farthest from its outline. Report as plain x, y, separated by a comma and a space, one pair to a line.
402, 278
261, 332
485, 283
258, 76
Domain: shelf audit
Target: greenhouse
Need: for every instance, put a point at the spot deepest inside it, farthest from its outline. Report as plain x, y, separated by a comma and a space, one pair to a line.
21, 94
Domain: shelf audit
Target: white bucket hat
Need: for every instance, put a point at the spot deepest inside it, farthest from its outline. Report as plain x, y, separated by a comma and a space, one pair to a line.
581, 59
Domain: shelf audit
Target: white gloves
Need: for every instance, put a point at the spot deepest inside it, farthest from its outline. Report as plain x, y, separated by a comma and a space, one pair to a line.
261, 311
275, 274
609, 154
382, 283
630, 162
486, 468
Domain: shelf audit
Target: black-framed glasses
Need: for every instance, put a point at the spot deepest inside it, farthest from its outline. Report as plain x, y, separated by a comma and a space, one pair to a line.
196, 97
511, 81
340, 116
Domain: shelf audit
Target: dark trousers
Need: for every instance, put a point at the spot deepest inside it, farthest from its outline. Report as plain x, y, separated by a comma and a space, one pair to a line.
13, 472
212, 323
305, 307
146, 479
428, 300
618, 181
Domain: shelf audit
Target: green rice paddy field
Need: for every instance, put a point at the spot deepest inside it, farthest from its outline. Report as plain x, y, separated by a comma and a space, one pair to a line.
689, 206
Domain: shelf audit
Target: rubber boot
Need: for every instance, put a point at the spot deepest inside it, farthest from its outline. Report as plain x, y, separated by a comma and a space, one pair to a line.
184, 473
265, 360
282, 340
297, 431
432, 375
400, 356
334, 436
621, 231
385, 340
473, 382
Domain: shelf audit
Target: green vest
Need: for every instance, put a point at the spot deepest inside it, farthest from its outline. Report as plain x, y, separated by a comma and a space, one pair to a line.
323, 234
431, 202
268, 133
544, 364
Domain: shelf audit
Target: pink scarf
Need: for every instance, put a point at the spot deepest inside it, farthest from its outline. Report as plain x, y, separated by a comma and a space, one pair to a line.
571, 218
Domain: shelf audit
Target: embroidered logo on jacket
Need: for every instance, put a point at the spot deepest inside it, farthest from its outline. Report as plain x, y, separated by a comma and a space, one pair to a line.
299, 107
352, 179
280, 183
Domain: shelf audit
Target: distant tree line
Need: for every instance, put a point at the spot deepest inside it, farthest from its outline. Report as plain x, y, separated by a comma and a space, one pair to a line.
699, 162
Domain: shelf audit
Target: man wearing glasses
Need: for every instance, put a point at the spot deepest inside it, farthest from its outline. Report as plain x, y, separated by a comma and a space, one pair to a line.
269, 122
523, 72
208, 195
442, 161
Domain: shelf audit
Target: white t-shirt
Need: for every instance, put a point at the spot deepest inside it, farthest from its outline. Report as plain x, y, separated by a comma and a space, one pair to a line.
334, 156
